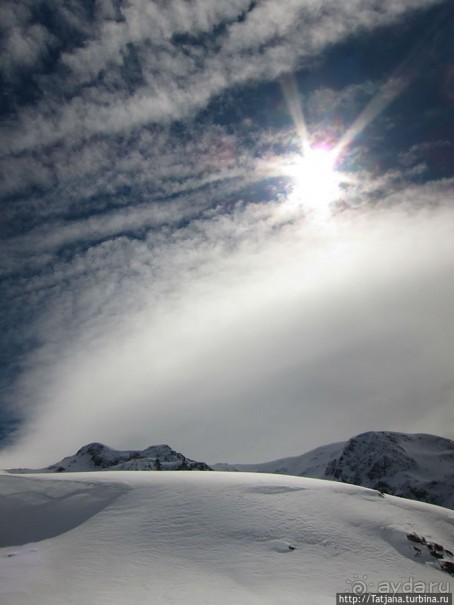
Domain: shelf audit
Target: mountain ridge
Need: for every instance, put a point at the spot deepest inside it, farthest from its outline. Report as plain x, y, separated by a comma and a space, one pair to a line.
417, 466
99, 457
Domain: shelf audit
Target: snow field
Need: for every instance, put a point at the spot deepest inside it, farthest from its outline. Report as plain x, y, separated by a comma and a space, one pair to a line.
204, 538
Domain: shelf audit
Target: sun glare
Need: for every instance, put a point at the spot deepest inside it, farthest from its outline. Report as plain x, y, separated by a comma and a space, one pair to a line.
316, 182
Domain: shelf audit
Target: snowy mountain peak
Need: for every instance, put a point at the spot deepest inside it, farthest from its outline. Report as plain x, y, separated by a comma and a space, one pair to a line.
98, 457
418, 466
92, 448
372, 455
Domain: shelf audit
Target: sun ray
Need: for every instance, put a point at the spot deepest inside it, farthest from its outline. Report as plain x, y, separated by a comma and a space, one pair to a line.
393, 87
290, 90
388, 92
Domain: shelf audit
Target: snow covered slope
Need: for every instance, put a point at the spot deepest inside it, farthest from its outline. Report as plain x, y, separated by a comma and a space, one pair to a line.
413, 466
98, 457
420, 467
311, 464
211, 538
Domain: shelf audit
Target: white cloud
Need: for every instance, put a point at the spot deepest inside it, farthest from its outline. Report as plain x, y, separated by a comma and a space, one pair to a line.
24, 42
231, 324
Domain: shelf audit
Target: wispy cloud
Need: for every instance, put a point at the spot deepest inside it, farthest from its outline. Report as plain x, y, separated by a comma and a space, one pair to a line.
172, 84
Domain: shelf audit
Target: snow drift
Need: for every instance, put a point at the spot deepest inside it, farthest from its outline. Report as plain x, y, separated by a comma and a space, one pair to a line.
202, 538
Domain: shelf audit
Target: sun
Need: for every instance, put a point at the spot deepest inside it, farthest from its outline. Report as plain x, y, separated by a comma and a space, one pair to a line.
315, 180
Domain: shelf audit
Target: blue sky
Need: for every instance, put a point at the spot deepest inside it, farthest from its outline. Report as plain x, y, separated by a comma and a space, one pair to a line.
174, 268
